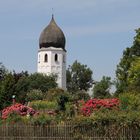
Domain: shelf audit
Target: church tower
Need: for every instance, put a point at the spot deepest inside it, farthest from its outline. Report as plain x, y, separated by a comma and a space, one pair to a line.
52, 53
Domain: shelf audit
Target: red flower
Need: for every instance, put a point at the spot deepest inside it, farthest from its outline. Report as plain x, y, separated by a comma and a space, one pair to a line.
94, 104
19, 109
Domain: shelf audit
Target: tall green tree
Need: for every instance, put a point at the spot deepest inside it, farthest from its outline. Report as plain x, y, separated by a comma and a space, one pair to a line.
133, 78
102, 88
7, 89
3, 71
79, 77
127, 59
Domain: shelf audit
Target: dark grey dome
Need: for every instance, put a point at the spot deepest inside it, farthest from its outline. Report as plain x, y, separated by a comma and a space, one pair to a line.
52, 36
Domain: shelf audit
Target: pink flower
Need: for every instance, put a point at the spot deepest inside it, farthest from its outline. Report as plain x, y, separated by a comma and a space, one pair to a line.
94, 104
19, 109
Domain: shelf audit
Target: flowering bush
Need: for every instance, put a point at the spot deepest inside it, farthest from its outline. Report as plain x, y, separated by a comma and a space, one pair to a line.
94, 104
19, 109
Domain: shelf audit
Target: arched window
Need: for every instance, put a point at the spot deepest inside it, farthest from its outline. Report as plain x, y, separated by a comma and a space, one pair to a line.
38, 58
46, 58
56, 57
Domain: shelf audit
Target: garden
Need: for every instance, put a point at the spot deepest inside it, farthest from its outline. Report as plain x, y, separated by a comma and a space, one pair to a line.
62, 115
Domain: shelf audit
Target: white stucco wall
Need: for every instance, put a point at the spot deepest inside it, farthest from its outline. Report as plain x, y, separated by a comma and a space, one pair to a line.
52, 66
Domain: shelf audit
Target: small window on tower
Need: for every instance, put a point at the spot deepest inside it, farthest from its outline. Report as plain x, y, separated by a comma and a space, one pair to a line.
56, 57
38, 58
46, 58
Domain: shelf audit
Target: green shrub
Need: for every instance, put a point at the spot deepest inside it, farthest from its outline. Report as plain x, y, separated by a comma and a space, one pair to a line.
61, 102
42, 120
101, 120
81, 95
70, 110
34, 94
46, 105
130, 101
14, 118
53, 93
83, 126
60, 96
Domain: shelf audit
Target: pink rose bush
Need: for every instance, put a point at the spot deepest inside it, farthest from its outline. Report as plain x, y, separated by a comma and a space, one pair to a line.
95, 104
19, 109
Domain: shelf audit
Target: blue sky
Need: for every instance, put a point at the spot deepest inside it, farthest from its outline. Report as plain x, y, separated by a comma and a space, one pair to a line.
97, 31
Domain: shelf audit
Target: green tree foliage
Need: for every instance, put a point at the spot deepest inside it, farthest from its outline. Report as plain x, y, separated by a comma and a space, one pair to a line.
79, 77
102, 88
34, 94
7, 88
126, 61
3, 71
43, 105
19, 84
17, 76
80, 95
42, 82
34, 81
54, 93
133, 78
60, 96
130, 101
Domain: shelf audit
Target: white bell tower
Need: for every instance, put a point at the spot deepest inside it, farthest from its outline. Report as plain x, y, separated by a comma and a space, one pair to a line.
52, 53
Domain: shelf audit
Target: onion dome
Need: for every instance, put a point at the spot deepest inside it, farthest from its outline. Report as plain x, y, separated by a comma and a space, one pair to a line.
52, 36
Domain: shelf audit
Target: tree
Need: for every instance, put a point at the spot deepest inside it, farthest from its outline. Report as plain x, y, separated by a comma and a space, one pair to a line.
34, 94
125, 63
6, 90
79, 77
3, 71
8, 86
17, 76
133, 78
34, 81
80, 95
21, 88
19, 84
102, 88
42, 82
